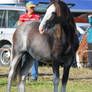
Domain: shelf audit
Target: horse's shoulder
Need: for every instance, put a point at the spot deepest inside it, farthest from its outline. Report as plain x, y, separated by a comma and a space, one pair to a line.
30, 23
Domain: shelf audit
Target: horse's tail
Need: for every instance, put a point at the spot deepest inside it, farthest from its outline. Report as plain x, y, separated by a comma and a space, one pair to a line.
17, 77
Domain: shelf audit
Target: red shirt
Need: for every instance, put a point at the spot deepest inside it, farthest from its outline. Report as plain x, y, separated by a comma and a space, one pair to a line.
25, 17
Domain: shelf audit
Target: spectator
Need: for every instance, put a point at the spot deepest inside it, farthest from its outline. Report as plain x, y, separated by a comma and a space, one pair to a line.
30, 15
89, 40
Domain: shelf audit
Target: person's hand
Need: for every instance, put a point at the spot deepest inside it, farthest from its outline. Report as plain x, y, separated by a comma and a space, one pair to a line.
19, 23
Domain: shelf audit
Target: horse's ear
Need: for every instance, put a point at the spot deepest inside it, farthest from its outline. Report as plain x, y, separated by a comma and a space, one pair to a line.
57, 0
52, 0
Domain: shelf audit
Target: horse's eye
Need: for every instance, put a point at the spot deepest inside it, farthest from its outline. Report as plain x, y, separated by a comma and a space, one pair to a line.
54, 13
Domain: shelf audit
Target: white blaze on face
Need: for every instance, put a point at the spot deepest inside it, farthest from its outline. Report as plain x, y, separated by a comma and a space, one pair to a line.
47, 16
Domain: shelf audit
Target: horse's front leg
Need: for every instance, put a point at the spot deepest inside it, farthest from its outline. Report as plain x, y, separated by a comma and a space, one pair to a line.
55, 77
11, 75
24, 71
65, 78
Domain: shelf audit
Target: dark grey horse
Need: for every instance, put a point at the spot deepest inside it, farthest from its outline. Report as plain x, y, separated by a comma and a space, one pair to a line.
57, 45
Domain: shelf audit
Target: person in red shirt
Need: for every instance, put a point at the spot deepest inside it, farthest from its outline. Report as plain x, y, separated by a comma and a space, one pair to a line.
30, 15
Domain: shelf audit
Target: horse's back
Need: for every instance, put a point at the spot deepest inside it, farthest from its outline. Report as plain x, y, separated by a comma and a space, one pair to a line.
21, 34
29, 25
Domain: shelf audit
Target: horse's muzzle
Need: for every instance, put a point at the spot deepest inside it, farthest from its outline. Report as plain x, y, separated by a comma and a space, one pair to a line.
41, 30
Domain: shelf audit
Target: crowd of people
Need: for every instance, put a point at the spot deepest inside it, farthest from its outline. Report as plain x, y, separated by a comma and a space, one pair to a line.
89, 40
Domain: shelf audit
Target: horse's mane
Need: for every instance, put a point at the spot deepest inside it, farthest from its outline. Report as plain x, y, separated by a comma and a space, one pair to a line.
66, 20
64, 12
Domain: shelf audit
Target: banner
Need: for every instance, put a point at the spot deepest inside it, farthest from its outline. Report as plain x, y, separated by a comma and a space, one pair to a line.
11, 1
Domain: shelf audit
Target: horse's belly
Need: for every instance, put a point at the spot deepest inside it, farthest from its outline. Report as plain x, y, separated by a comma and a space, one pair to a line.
40, 47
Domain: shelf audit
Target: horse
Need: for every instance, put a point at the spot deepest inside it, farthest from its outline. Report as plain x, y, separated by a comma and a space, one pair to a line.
82, 52
57, 45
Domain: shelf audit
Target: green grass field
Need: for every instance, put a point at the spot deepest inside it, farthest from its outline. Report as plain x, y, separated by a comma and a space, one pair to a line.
80, 80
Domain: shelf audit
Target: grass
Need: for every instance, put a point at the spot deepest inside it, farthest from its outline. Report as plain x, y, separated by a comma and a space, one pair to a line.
80, 80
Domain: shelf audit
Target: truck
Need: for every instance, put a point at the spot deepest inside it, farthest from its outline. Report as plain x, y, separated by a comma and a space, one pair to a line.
10, 10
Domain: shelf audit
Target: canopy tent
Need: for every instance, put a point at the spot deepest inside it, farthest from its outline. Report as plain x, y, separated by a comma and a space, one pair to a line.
37, 1
79, 5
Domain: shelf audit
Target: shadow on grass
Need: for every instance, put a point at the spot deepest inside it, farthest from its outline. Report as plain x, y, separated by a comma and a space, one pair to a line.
40, 74
2, 84
44, 74
49, 75
3, 75
85, 78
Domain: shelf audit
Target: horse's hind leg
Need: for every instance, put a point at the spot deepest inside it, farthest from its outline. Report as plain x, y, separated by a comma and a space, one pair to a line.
55, 76
13, 66
24, 71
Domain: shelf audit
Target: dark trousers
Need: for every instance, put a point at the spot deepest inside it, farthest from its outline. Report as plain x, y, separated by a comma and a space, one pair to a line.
90, 54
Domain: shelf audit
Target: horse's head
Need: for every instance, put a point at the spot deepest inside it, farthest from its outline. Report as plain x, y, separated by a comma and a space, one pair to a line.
50, 18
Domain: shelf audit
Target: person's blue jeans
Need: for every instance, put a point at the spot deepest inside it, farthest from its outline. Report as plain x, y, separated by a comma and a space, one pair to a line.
34, 72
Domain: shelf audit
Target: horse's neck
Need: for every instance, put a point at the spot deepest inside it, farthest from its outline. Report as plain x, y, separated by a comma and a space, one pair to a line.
57, 34
57, 40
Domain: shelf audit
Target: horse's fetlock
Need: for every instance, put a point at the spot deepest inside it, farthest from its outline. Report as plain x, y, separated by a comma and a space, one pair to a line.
23, 77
